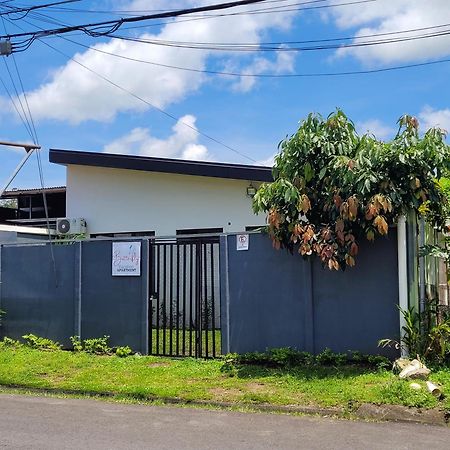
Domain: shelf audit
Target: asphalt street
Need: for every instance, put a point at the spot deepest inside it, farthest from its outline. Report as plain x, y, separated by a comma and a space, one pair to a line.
28, 422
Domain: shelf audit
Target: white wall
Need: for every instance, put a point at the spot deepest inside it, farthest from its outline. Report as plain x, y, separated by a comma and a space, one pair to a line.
118, 200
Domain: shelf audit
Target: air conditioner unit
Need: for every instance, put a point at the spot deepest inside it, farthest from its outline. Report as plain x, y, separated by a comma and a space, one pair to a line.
70, 226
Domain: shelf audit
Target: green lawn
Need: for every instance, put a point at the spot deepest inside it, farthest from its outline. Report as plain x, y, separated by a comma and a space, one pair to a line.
190, 379
164, 342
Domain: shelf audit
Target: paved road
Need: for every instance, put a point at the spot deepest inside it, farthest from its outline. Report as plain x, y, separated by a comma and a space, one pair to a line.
52, 423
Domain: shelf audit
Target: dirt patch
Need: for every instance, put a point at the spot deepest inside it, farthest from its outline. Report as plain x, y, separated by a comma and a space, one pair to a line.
256, 387
159, 364
220, 393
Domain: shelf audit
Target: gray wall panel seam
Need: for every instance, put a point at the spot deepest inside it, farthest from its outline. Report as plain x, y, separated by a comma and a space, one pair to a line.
1, 278
79, 296
227, 295
146, 281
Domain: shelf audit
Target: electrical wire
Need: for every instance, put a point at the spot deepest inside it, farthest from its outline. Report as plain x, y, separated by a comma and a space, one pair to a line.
256, 75
113, 25
30, 125
281, 48
148, 103
27, 10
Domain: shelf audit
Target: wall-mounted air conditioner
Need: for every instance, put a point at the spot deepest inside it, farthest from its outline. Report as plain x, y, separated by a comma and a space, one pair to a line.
70, 226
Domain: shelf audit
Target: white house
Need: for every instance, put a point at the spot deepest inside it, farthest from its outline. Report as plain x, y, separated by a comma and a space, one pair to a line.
123, 195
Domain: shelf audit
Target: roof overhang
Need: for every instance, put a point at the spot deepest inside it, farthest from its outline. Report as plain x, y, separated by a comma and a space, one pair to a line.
164, 165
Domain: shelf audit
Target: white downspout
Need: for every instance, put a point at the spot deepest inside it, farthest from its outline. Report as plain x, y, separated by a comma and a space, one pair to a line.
402, 274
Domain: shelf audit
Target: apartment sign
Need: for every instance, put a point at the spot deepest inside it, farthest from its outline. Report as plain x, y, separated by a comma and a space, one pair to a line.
126, 259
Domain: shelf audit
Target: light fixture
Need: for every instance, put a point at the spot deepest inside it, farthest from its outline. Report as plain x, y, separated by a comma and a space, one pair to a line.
251, 190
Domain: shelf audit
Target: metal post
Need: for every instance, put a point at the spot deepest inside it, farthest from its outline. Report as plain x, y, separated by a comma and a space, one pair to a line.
402, 274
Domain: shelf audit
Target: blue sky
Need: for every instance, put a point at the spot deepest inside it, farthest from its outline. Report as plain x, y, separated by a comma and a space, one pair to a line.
73, 108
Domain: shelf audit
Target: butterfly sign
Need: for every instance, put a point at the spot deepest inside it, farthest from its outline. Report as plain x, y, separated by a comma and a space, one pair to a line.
126, 259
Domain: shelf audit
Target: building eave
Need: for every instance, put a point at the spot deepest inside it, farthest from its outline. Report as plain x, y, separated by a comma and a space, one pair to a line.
162, 165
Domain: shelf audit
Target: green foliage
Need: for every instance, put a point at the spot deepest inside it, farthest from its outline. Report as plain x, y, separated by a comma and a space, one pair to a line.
425, 335
287, 357
41, 343
76, 343
399, 392
123, 352
333, 188
99, 346
8, 342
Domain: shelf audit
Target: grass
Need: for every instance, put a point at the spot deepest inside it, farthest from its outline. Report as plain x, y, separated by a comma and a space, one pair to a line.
188, 379
164, 342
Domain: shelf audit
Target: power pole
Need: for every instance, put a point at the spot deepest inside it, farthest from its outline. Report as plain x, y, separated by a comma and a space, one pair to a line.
29, 149
5, 48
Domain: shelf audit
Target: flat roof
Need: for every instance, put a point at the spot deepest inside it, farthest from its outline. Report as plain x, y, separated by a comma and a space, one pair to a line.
32, 191
26, 230
164, 165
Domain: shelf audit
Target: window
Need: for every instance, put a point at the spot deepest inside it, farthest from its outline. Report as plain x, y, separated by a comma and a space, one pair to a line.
200, 231
123, 235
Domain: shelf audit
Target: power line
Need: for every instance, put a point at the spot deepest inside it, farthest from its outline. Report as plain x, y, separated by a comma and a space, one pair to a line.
14, 10
256, 75
256, 12
177, 119
114, 25
162, 111
310, 41
254, 48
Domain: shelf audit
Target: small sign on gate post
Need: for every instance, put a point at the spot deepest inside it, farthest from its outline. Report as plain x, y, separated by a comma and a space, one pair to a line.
242, 242
126, 259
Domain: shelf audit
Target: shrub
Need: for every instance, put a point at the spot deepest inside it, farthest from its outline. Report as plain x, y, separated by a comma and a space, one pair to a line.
426, 334
123, 352
287, 357
99, 346
8, 342
76, 343
41, 343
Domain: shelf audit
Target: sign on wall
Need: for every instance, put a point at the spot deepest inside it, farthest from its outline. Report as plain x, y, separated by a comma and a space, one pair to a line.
242, 241
126, 259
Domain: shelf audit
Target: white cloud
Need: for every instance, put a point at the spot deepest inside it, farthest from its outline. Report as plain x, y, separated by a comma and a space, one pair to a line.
284, 63
74, 94
387, 16
375, 127
430, 117
182, 143
269, 162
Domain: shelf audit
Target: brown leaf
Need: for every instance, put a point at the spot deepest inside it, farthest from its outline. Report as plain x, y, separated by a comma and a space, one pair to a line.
350, 261
339, 225
337, 200
305, 204
381, 224
354, 249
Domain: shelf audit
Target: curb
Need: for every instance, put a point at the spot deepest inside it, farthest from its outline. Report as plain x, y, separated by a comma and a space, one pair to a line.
366, 411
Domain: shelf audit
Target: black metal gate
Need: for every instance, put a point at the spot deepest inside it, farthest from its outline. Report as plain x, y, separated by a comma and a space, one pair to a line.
184, 310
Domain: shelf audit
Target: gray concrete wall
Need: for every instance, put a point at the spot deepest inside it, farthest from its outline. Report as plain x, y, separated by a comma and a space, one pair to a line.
273, 299
113, 306
75, 296
38, 296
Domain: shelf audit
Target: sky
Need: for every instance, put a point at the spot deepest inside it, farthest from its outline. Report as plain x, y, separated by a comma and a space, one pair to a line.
84, 94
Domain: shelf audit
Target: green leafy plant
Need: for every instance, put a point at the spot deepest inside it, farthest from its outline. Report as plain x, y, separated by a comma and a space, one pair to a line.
76, 343
287, 357
123, 352
425, 335
333, 188
8, 342
41, 343
99, 346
